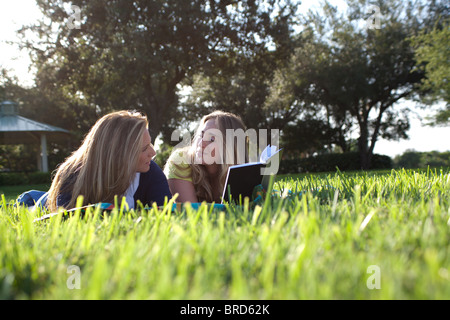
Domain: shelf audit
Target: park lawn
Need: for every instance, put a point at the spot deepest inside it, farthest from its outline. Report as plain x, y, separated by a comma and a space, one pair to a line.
333, 236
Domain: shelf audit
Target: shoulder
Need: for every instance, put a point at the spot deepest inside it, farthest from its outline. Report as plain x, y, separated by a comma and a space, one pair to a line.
153, 186
177, 166
179, 156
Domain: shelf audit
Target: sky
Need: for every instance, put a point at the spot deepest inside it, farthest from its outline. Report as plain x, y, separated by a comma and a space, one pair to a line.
16, 13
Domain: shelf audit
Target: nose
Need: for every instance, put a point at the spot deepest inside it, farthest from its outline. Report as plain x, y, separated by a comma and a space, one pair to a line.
152, 151
205, 143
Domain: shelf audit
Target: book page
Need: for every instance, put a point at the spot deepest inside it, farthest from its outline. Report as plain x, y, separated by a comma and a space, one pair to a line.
268, 153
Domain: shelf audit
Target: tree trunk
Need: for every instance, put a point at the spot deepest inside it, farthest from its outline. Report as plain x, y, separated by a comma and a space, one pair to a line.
363, 146
365, 160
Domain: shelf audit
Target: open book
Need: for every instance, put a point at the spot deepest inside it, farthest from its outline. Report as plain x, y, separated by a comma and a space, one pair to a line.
243, 178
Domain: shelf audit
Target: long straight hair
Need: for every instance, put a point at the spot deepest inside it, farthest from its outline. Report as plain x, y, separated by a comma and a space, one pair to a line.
224, 121
105, 163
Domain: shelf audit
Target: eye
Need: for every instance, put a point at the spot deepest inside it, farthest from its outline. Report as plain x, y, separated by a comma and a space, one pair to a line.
212, 139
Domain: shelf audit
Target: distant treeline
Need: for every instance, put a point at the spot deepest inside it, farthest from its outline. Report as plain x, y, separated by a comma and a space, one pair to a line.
414, 159
350, 161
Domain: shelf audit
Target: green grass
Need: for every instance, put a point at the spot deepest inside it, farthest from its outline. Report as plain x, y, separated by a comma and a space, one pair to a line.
324, 244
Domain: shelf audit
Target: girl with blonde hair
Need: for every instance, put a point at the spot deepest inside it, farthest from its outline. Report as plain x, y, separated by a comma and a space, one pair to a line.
115, 159
198, 172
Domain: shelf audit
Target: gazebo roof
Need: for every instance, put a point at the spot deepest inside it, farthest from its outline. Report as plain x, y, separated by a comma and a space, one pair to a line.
18, 123
15, 129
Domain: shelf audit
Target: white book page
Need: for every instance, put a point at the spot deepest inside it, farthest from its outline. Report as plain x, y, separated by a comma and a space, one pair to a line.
268, 153
264, 158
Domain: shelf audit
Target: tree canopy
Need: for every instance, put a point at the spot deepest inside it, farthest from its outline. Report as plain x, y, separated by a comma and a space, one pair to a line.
134, 54
432, 55
327, 78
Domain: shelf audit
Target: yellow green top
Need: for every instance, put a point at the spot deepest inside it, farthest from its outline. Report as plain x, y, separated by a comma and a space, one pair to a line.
177, 166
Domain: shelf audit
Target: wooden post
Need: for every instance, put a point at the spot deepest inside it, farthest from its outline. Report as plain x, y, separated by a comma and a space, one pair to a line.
44, 153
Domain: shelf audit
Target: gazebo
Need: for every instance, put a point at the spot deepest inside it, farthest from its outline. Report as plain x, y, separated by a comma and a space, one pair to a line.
15, 129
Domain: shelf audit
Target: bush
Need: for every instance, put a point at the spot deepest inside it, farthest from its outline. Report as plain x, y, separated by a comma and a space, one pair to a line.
13, 178
20, 178
328, 162
39, 177
380, 161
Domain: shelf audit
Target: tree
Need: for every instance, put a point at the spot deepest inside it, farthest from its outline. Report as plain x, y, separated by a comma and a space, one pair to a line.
120, 54
289, 91
39, 106
9, 87
239, 85
306, 137
432, 55
238, 81
357, 75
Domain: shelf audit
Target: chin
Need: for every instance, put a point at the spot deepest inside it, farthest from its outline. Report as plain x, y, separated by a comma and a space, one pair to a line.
144, 169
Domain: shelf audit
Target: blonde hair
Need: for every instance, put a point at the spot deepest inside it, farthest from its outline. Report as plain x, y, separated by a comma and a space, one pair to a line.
105, 164
199, 175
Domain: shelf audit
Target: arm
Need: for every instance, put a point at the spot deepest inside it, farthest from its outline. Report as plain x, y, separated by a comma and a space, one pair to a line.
185, 190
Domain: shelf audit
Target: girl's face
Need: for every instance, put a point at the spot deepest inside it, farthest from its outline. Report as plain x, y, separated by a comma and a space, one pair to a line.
209, 143
147, 153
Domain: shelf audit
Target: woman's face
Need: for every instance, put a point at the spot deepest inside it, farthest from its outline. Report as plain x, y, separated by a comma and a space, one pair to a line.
209, 144
147, 153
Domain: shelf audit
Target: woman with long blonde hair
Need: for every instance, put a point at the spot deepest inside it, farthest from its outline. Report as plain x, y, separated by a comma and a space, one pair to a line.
198, 172
115, 159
